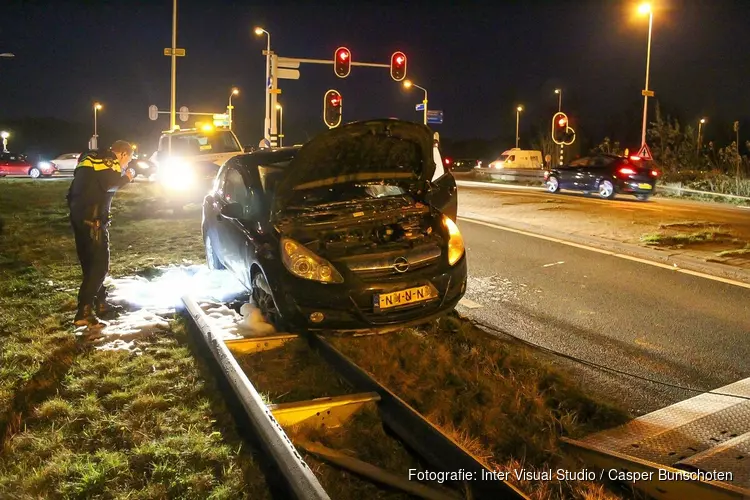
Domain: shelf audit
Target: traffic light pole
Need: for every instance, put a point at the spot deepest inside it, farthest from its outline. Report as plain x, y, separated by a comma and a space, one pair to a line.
274, 96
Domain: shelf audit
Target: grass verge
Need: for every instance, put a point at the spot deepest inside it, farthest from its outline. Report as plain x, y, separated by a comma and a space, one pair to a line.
492, 396
78, 422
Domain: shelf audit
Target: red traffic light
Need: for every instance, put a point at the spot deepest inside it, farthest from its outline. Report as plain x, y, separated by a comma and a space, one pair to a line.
332, 108
562, 122
342, 62
398, 66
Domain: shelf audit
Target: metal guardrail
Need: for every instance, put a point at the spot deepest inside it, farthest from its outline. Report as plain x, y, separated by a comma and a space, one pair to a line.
433, 446
677, 187
301, 480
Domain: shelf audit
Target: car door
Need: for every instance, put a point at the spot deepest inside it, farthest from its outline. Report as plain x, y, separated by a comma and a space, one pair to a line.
595, 170
578, 174
231, 223
211, 212
17, 165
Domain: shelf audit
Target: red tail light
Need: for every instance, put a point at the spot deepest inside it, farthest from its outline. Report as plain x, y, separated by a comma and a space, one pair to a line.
626, 171
654, 173
447, 161
635, 158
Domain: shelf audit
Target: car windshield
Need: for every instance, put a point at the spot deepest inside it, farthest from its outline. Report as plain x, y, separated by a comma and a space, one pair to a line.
503, 158
202, 143
344, 193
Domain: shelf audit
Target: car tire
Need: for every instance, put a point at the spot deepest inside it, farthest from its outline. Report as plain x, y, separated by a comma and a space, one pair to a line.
264, 301
34, 173
553, 184
642, 197
212, 261
606, 189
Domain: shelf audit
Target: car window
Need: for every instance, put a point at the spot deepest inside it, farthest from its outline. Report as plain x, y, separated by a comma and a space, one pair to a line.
235, 190
218, 186
601, 161
580, 162
511, 158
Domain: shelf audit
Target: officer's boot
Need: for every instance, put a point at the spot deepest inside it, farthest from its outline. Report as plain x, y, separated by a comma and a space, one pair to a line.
86, 317
107, 310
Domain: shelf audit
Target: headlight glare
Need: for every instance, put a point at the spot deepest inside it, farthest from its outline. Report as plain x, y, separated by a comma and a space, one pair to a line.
303, 263
455, 242
176, 174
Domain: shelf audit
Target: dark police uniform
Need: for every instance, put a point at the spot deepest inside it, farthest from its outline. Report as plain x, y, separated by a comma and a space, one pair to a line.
96, 178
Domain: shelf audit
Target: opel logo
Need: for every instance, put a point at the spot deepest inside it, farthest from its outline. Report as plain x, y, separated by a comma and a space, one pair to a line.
401, 265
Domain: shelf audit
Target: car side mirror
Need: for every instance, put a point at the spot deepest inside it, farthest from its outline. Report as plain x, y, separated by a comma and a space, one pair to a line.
233, 210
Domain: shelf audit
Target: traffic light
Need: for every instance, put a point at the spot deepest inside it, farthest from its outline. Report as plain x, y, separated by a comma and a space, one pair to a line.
342, 62
332, 108
562, 133
398, 66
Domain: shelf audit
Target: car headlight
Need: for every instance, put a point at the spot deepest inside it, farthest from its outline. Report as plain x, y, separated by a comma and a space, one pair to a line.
45, 165
177, 175
455, 242
303, 263
143, 165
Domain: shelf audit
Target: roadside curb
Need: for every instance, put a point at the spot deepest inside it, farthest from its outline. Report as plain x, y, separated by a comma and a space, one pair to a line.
658, 256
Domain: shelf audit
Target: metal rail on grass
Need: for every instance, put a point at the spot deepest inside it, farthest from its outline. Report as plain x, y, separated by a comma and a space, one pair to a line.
301, 480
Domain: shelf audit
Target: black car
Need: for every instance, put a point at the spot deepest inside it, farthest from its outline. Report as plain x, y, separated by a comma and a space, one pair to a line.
605, 174
348, 232
462, 165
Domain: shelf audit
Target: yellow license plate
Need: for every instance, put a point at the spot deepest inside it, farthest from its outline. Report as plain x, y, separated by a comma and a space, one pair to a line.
403, 297
644, 186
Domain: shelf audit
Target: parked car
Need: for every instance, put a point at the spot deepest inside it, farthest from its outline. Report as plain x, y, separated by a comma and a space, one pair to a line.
355, 230
605, 174
66, 163
18, 164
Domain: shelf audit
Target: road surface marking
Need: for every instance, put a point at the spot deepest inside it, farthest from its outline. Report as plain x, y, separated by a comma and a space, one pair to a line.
469, 304
672, 267
554, 264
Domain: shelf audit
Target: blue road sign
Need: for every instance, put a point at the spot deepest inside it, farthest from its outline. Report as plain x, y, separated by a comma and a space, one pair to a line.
420, 107
435, 116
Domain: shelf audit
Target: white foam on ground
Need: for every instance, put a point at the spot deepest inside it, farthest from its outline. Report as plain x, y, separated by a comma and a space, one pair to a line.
151, 301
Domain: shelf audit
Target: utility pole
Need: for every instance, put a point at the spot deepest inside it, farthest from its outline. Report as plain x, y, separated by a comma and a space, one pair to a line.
173, 91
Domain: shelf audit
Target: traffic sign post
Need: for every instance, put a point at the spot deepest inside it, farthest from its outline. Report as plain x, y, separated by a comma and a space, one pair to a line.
419, 107
177, 52
435, 116
645, 152
184, 113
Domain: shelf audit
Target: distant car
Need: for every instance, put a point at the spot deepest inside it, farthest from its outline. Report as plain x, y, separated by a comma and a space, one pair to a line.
18, 164
463, 165
353, 231
66, 163
607, 175
518, 159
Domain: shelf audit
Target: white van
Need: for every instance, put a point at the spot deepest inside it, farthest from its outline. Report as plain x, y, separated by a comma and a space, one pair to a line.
517, 159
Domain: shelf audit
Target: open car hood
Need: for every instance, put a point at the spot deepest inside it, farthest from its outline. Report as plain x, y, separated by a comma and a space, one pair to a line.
389, 151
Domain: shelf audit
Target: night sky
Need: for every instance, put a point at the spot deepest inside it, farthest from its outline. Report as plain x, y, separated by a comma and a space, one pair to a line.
477, 61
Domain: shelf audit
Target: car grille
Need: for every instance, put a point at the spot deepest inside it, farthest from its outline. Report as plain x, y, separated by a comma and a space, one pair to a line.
394, 264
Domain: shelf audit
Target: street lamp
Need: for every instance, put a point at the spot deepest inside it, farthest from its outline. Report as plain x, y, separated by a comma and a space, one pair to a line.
644, 9
700, 127
7, 55
235, 91
559, 99
5, 136
267, 121
95, 139
518, 120
409, 84
281, 123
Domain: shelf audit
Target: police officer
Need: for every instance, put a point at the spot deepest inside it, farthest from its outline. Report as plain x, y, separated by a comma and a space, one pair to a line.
96, 178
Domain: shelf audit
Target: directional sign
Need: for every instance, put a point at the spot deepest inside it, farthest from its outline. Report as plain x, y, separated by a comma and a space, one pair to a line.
647, 93
177, 52
285, 62
153, 112
434, 116
184, 114
287, 74
645, 153
274, 91
419, 107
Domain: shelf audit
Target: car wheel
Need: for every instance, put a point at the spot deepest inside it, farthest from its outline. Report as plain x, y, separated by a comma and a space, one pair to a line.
34, 173
212, 261
606, 189
642, 197
553, 185
264, 300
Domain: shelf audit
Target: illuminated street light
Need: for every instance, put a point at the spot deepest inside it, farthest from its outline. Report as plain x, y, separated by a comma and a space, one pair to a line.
518, 120
95, 140
235, 91
5, 136
559, 99
267, 121
7, 55
409, 84
644, 9
700, 138
281, 123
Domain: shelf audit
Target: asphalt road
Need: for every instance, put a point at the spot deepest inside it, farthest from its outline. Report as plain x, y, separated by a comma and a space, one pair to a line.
655, 323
